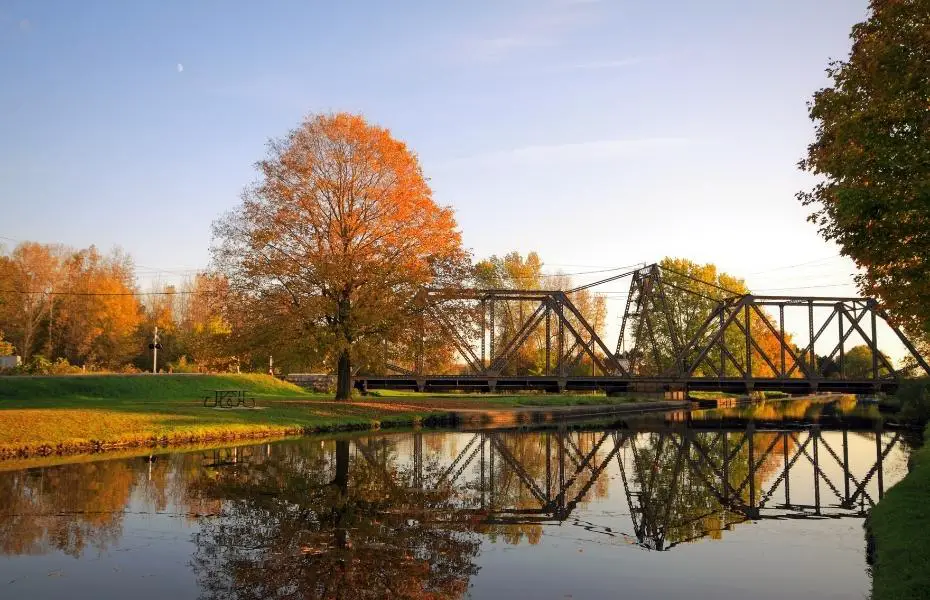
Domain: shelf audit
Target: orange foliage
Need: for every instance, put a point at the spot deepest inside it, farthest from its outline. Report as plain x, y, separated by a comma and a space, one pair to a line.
338, 233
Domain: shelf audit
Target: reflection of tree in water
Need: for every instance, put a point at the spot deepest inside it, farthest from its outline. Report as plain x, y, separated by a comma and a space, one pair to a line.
67, 508
808, 410
531, 453
685, 486
309, 525
380, 516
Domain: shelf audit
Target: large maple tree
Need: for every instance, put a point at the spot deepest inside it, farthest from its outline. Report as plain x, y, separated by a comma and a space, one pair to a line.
336, 236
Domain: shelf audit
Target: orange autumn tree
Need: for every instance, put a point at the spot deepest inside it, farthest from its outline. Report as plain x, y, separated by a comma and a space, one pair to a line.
336, 236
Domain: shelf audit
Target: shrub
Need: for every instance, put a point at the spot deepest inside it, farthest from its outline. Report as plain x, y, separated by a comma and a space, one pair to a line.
39, 365
182, 365
914, 396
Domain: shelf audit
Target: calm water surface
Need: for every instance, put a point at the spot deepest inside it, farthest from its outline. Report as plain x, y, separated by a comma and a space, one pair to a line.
717, 506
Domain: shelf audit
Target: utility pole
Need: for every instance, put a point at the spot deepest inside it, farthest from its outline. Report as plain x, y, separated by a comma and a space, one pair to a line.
154, 347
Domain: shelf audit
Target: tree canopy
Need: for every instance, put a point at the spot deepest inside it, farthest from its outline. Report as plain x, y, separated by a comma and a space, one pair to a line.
337, 235
872, 153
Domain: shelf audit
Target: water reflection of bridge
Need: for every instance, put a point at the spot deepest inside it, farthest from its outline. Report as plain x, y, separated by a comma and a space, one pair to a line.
679, 484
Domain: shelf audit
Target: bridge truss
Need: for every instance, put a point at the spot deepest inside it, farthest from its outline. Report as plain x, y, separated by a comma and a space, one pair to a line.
677, 333
679, 484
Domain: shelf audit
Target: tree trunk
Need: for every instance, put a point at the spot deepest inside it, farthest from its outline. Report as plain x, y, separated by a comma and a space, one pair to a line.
341, 481
344, 377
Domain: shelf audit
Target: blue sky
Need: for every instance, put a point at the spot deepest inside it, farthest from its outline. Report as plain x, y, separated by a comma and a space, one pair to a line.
598, 133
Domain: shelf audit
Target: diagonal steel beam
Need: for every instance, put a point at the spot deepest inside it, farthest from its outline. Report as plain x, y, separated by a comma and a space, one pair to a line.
505, 356
461, 344
871, 342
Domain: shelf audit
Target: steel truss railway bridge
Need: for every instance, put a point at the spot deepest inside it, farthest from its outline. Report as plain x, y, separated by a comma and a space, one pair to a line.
677, 333
680, 484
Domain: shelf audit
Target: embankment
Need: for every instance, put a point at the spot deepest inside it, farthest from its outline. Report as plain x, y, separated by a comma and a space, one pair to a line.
899, 534
42, 416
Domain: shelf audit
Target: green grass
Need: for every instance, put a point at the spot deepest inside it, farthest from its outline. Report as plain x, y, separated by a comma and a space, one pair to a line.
900, 526
499, 400
64, 414
711, 395
763, 395
89, 412
139, 387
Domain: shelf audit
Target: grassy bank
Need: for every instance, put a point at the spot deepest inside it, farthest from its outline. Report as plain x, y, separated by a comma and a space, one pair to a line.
57, 415
899, 525
46, 415
484, 400
137, 387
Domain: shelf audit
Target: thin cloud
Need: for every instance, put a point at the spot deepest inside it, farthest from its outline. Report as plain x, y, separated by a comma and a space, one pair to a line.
597, 150
607, 64
543, 27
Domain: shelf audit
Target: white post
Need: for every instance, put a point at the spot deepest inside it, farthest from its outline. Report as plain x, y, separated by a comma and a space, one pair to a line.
270, 365
155, 351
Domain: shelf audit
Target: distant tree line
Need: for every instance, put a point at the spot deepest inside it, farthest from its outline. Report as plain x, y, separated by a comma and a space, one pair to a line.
65, 310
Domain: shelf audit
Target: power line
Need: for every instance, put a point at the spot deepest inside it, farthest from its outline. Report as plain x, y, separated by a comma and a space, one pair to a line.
803, 264
691, 277
531, 277
44, 293
806, 287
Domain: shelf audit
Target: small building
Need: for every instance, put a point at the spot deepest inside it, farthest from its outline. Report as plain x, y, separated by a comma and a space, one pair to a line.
317, 382
10, 362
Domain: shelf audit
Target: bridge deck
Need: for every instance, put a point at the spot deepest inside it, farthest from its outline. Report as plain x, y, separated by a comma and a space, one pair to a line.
482, 383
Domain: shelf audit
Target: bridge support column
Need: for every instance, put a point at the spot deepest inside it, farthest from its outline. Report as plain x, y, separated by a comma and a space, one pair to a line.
421, 385
492, 385
563, 383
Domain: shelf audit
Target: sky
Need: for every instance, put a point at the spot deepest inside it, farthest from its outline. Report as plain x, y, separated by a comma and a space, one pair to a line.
599, 133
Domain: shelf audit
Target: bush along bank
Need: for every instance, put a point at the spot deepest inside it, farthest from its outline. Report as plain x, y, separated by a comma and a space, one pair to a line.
898, 534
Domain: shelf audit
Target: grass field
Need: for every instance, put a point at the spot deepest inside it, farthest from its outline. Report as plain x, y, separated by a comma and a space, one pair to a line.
138, 387
900, 526
47, 415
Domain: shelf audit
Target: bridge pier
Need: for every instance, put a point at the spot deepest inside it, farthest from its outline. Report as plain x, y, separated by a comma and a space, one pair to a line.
492, 385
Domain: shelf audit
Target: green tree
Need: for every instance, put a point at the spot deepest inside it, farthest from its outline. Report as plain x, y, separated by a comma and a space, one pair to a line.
675, 310
871, 150
857, 363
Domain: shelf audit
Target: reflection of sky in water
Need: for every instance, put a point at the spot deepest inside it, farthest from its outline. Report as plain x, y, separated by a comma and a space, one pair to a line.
129, 528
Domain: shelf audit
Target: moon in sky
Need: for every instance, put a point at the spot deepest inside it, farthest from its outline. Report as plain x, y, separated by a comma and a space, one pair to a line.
180, 68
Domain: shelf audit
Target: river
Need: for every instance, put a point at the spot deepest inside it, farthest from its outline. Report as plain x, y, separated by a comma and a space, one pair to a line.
766, 502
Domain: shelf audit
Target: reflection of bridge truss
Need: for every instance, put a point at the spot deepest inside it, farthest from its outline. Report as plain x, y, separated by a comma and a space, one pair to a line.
679, 484
720, 344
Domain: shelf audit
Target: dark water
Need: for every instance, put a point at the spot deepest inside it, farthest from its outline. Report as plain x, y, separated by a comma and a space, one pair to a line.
715, 506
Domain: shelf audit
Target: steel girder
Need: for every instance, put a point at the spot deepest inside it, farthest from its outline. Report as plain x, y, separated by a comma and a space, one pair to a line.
674, 328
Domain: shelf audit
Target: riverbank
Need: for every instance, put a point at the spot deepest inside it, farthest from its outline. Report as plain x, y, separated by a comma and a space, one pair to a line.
41, 416
898, 528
